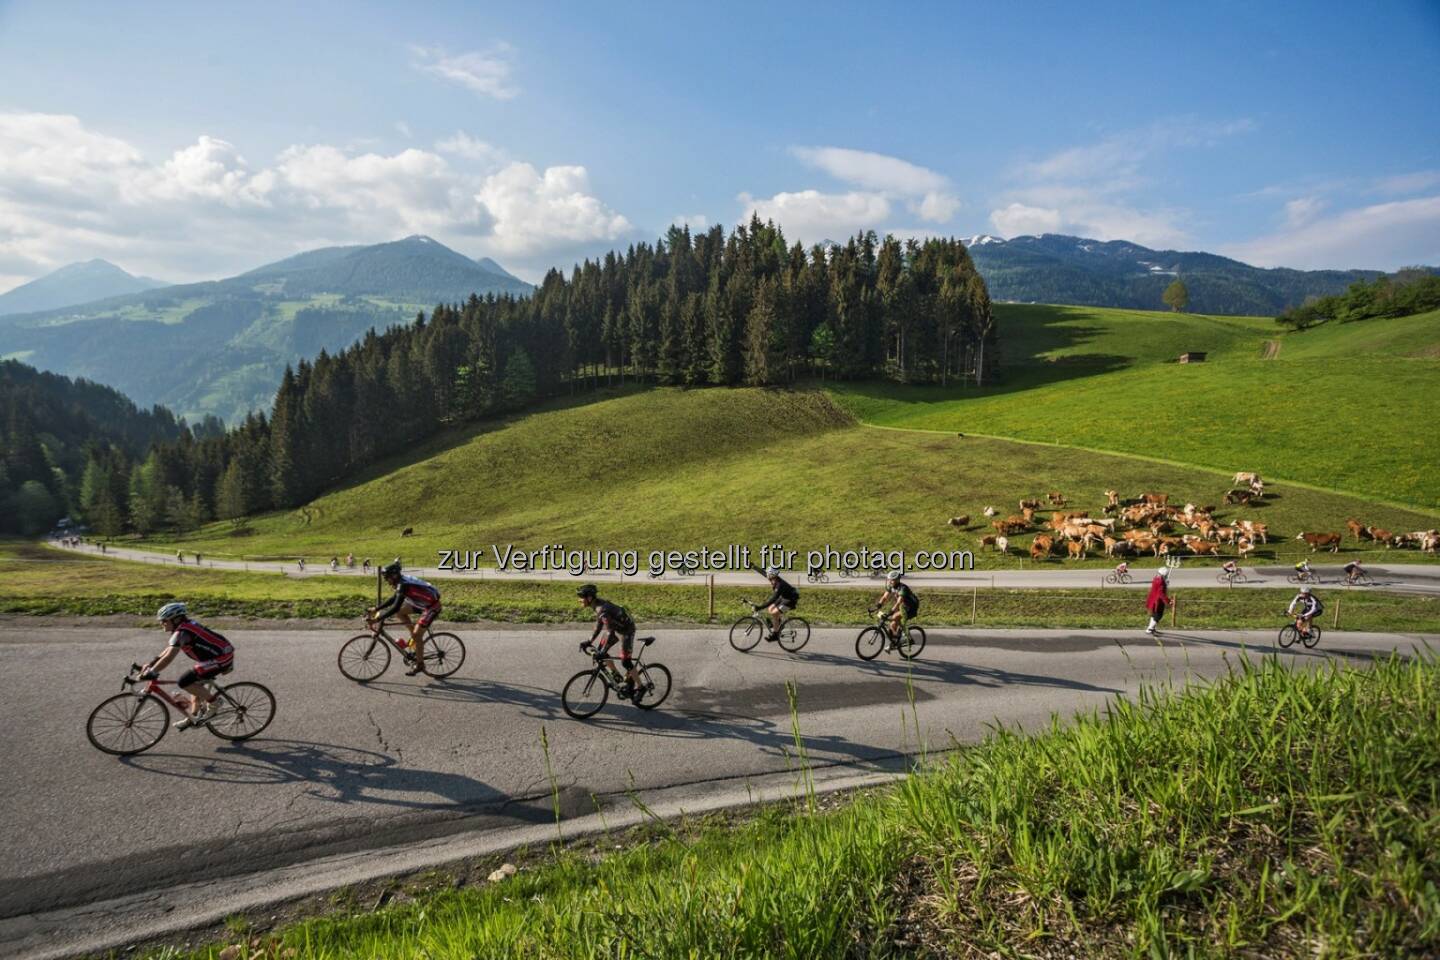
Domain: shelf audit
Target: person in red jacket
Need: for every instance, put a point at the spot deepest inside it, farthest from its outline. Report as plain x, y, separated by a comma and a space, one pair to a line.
1159, 598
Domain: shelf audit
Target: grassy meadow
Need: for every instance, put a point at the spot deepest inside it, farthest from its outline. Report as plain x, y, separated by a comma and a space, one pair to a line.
1275, 813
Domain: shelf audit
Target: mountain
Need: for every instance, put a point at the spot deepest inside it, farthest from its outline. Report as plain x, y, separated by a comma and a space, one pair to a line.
1054, 268
491, 266
220, 347
73, 284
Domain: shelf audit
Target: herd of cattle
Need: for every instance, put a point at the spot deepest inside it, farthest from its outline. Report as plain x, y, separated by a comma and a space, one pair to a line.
1150, 524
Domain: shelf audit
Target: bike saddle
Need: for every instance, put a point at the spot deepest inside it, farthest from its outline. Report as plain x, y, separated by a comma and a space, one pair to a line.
647, 640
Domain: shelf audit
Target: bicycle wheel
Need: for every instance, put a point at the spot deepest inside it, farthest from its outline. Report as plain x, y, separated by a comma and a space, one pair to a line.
869, 644
125, 724
654, 686
444, 652
746, 633
584, 694
911, 643
241, 711
1314, 636
1112, 578
1288, 635
363, 658
1293, 578
794, 634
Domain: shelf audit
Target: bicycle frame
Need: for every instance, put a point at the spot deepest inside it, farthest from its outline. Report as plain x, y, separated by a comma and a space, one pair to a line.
157, 687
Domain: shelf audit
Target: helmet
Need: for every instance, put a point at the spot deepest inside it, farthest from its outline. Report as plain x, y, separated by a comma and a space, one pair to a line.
391, 569
772, 572
170, 611
895, 575
587, 592
1165, 572
1305, 589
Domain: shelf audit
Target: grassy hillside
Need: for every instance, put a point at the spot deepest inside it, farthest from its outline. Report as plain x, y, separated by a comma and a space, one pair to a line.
682, 469
1344, 407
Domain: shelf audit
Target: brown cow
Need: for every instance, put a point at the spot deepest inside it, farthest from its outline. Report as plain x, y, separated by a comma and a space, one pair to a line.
1203, 547
1029, 514
1032, 504
1244, 546
1239, 496
961, 521
1358, 530
987, 541
1330, 541
1380, 535
1077, 549
1157, 499
1245, 478
1040, 547
1112, 498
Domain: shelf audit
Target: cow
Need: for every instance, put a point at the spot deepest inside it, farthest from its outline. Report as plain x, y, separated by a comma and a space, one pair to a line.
1329, 541
1239, 496
1245, 478
1244, 546
1203, 548
1118, 548
1430, 543
1358, 530
1032, 504
407, 532
1227, 534
988, 540
1077, 549
1056, 498
1112, 498
1002, 544
1156, 499
1257, 488
961, 521
990, 511
1380, 535
1029, 514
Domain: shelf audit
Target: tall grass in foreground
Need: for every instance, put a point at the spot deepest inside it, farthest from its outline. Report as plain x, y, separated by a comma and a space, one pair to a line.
1275, 813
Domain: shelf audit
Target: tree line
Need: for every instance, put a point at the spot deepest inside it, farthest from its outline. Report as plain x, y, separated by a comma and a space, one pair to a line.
701, 309
1406, 292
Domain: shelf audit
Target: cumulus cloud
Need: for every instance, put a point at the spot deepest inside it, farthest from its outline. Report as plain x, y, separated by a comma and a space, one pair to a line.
1302, 210
486, 73
811, 216
1092, 189
1383, 236
697, 222
70, 193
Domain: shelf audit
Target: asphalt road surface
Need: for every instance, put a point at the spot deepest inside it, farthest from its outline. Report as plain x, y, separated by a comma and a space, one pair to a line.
1418, 578
346, 767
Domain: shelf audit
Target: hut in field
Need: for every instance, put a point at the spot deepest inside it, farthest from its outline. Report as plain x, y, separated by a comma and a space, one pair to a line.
1193, 356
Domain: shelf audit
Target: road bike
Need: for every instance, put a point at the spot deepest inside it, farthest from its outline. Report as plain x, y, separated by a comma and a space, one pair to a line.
586, 692
747, 632
1114, 577
1358, 579
1230, 579
873, 641
817, 576
365, 657
1299, 577
133, 722
1291, 632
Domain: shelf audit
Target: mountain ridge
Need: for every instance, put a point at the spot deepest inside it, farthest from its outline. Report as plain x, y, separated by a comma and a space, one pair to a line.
73, 284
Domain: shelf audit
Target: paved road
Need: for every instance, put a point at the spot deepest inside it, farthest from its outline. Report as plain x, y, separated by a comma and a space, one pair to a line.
347, 768
1399, 578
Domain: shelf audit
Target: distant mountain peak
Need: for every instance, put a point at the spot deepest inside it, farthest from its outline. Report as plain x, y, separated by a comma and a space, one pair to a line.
72, 284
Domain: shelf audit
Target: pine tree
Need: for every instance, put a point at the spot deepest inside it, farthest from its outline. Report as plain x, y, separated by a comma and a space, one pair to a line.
518, 385
232, 499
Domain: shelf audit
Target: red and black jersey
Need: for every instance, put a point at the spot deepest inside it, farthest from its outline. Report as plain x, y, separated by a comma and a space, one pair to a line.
413, 591
201, 643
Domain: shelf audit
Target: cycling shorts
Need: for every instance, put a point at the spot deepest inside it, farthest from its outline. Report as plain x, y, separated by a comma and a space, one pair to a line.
627, 644
207, 669
428, 611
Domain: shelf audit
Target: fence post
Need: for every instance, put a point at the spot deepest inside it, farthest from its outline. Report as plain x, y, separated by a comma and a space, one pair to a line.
1337, 614
974, 603
1175, 613
711, 592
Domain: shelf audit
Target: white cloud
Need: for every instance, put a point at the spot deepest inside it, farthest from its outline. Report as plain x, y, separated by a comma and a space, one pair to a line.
1384, 236
486, 73
927, 193
811, 216
1302, 210
69, 193
697, 222
1408, 182
403, 128
464, 145
1019, 220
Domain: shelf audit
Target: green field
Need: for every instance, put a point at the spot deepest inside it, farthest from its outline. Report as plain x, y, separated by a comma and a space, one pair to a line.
1346, 407
1272, 814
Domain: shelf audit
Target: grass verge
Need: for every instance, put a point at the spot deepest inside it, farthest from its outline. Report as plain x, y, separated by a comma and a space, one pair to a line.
1272, 814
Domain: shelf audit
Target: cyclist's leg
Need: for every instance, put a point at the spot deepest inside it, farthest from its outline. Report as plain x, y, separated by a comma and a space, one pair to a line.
777, 613
627, 649
897, 622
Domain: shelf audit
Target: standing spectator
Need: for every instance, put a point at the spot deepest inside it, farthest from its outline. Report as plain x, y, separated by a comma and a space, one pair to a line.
197, 559
1158, 599
179, 557
350, 561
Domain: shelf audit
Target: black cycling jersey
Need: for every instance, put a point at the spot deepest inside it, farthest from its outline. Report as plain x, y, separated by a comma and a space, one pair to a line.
611, 618
907, 597
200, 643
783, 593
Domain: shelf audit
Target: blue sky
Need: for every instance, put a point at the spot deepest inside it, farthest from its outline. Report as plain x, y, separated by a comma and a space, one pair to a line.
193, 140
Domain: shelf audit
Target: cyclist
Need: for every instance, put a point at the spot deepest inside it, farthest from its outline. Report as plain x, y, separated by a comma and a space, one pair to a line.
905, 604
1158, 599
1230, 569
1303, 571
212, 653
1122, 570
1353, 569
616, 623
783, 597
417, 595
1305, 607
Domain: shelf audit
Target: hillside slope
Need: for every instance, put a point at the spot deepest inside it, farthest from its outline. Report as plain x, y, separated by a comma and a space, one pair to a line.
221, 347
668, 468
1341, 406
73, 284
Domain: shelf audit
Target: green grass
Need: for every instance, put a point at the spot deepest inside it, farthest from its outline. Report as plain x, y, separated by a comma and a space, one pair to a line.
1344, 407
670, 468
1275, 814
45, 582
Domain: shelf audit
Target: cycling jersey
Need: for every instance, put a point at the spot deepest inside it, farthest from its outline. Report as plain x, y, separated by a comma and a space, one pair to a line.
213, 653
783, 594
416, 594
1351, 567
907, 598
614, 621
1308, 604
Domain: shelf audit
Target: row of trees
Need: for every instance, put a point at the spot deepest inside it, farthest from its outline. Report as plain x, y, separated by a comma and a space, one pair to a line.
706, 309
1408, 291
